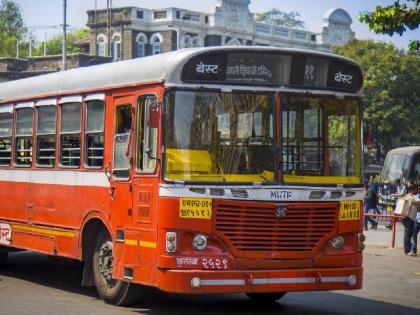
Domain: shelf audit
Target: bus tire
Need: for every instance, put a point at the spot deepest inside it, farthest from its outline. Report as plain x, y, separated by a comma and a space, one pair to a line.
112, 291
3, 258
266, 297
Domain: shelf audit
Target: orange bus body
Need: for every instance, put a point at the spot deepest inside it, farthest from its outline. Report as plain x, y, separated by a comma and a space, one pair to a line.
57, 211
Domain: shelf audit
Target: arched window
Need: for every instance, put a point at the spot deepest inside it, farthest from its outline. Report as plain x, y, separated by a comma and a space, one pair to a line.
101, 46
141, 41
187, 41
156, 42
195, 42
116, 48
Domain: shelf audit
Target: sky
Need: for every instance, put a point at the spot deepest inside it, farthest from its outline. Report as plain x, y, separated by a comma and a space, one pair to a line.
39, 14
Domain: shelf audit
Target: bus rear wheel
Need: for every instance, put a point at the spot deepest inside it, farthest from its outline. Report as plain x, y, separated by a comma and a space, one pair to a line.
112, 291
3, 258
266, 297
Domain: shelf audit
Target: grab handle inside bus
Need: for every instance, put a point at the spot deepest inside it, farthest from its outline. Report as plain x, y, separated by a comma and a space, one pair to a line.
107, 171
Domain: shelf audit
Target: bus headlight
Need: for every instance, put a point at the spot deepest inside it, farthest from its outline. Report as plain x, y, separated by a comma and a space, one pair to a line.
170, 242
337, 242
199, 242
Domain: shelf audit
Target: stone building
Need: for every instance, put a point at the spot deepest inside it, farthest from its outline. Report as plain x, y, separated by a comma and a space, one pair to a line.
131, 32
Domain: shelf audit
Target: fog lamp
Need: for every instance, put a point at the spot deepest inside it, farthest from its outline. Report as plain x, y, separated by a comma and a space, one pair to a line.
337, 242
170, 242
195, 282
199, 242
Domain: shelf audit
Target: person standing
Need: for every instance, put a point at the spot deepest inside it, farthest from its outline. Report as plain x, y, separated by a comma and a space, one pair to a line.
409, 219
401, 193
416, 228
371, 201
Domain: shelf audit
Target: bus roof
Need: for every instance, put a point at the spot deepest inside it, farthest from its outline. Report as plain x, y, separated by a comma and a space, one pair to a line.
405, 151
165, 67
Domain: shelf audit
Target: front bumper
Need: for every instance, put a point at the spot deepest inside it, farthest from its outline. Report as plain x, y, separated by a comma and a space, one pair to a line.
241, 281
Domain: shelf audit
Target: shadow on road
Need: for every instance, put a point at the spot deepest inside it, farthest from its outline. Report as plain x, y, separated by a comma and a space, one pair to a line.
66, 276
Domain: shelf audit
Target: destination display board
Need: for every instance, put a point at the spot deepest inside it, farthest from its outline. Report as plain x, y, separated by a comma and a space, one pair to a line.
273, 69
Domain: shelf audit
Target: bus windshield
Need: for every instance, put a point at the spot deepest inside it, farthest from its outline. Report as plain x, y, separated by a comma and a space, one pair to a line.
219, 137
320, 140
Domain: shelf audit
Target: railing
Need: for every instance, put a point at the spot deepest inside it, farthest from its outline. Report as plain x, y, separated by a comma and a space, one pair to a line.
393, 218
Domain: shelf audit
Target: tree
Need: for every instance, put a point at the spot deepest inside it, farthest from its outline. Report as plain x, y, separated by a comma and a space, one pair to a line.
12, 27
277, 17
54, 44
391, 96
396, 18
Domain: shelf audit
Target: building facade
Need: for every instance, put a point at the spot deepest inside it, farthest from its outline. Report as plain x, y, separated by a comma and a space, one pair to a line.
132, 32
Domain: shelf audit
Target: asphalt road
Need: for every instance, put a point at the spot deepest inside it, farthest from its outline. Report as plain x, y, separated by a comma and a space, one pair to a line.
35, 284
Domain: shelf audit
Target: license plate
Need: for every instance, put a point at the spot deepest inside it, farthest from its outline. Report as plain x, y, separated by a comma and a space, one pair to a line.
349, 210
195, 208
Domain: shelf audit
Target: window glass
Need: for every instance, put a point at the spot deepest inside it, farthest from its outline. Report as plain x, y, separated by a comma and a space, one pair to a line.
70, 117
24, 136
95, 111
156, 46
70, 141
46, 136
147, 133
122, 138
6, 121
24, 122
320, 140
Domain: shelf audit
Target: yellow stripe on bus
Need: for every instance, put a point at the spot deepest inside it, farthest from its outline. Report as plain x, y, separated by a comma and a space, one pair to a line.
140, 243
42, 230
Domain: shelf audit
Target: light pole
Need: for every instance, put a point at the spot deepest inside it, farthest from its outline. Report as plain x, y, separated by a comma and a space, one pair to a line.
64, 35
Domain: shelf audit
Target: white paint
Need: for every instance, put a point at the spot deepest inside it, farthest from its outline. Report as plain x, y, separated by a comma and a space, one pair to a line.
70, 99
265, 281
95, 97
223, 282
49, 177
274, 193
47, 102
25, 105
5, 234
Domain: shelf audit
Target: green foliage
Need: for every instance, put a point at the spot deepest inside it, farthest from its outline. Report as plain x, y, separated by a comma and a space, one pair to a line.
392, 94
277, 17
12, 28
396, 18
55, 43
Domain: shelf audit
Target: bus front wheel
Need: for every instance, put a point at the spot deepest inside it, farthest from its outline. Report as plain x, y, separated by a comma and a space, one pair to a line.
112, 291
266, 297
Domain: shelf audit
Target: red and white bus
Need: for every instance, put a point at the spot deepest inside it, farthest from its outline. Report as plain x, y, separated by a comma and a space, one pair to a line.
208, 170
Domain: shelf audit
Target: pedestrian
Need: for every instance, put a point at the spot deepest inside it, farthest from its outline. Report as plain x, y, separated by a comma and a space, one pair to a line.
371, 202
416, 229
409, 219
401, 193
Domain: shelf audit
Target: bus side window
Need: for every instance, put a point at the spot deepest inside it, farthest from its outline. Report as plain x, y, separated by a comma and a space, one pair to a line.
24, 136
94, 133
70, 129
46, 136
6, 122
123, 123
147, 133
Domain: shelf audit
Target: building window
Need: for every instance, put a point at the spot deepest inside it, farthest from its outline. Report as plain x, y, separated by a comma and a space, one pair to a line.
313, 37
140, 15
156, 44
178, 14
101, 47
141, 41
159, 15
116, 49
46, 136
187, 41
194, 42
206, 19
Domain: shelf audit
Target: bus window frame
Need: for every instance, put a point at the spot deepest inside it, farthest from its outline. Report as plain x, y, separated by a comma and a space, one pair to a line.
44, 103
22, 106
80, 133
139, 141
8, 109
276, 140
85, 133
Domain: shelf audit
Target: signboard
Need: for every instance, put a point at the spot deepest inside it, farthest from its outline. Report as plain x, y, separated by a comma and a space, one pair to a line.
296, 70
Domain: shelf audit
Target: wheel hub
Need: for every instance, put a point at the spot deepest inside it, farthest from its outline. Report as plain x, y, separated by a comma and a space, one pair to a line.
105, 262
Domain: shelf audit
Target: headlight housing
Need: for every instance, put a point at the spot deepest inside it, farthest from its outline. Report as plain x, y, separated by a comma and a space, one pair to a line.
199, 241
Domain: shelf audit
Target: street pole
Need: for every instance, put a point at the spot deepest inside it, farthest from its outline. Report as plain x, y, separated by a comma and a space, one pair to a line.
30, 43
108, 27
45, 43
64, 34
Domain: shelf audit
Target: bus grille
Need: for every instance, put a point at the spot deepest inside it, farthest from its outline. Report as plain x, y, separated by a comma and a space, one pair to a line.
253, 227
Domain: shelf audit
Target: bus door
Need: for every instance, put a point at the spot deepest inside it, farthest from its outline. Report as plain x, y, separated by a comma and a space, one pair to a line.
146, 183
120, 178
